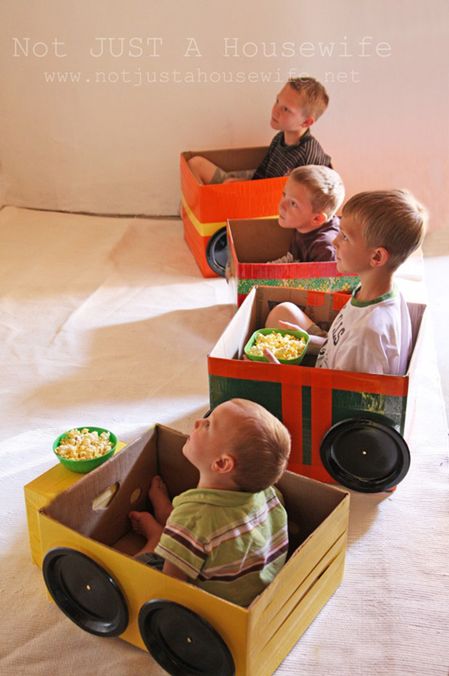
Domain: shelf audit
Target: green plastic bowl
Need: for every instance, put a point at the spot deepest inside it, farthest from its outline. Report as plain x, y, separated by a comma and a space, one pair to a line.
298, 334
84, 466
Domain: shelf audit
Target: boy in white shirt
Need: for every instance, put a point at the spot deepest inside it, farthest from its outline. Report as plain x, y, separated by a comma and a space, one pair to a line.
372, 333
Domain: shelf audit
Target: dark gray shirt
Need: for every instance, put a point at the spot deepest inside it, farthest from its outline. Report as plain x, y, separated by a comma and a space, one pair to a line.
316, 245
281, 158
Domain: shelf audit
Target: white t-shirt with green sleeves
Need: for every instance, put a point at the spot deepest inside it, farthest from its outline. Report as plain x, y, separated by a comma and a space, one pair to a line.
369, 337
229, 543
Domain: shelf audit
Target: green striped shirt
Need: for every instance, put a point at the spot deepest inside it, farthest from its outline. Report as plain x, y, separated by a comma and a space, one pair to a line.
230, 543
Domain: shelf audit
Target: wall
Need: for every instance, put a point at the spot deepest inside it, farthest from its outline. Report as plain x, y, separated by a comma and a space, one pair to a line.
106, 141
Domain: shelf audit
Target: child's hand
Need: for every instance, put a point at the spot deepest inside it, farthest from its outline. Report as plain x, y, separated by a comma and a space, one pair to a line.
270, 356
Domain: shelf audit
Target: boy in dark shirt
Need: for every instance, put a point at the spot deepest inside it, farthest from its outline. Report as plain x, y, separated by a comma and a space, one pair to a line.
298, 105
308, 205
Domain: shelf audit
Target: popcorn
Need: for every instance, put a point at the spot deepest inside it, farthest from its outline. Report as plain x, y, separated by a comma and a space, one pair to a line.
283, 346
84, 445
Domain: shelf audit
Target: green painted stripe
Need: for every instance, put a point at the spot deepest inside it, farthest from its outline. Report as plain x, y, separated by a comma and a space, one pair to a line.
306, 424
341, 284
265, 393
349, 404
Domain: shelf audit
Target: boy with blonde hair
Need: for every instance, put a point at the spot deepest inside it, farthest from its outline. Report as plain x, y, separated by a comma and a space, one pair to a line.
372, 333
297, 107
229, 534
308, 205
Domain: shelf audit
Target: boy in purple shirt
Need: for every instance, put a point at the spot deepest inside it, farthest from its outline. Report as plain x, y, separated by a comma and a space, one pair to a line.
308, 205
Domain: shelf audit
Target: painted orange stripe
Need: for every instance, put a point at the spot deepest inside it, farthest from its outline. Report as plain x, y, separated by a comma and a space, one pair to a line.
317, 298
313, 472
305, 375
321, 413
242, 199
252, 370
289, 271
338, 300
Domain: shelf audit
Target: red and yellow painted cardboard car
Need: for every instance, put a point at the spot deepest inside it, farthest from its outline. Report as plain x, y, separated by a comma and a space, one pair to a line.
206, 208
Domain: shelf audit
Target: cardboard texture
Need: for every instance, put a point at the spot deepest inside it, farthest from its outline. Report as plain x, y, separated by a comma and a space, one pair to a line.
206, 208
308, 400
253, 242
40, 492
258, 637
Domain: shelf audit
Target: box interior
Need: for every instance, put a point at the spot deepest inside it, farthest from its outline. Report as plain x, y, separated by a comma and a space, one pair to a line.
231, 159
259, 240
97, 506
254, 310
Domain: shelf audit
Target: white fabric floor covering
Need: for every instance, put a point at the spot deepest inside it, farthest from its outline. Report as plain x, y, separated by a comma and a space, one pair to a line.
107, 321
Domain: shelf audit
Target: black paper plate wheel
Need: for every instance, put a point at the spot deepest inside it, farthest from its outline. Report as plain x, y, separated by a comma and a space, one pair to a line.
182, 642
217, 252
365, 455
85, 592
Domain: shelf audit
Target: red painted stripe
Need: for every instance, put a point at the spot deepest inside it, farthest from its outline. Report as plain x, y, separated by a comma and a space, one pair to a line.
317, 472
321, 412
306, 375
240, 298
292, 418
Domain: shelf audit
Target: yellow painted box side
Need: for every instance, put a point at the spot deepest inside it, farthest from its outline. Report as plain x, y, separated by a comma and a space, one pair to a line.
140, 583
40, 492
260, 636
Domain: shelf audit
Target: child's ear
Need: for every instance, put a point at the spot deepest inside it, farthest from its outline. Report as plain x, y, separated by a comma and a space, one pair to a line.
319, 218
308, 121
224, 464
379, 257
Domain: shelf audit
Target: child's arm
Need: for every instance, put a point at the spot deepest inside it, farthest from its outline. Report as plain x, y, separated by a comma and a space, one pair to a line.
172, 570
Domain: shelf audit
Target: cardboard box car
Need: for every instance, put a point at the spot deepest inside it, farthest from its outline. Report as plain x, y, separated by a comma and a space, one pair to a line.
323, 409
206, 208
252, 243
87, 547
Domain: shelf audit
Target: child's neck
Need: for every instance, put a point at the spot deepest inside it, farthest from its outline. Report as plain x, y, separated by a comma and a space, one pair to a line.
217, 482
291, 138
374, 284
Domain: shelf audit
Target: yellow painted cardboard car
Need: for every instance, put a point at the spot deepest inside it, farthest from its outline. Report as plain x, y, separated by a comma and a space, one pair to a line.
80, 535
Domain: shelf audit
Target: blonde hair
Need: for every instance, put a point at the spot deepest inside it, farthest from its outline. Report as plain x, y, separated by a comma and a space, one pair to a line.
261, 446
392, 219
326, 188
314, 97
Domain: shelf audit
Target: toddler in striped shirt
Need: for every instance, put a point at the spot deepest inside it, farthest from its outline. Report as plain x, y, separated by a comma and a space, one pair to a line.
229, 534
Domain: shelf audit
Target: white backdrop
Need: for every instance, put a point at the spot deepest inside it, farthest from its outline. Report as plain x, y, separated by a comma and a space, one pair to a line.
85, 127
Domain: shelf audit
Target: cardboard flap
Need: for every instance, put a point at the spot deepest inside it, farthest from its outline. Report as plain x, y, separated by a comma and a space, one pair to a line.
308, 503
178, 473
125, 478
259, 240
237, 333
232, 158
417, 313
319, 306
98, 505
